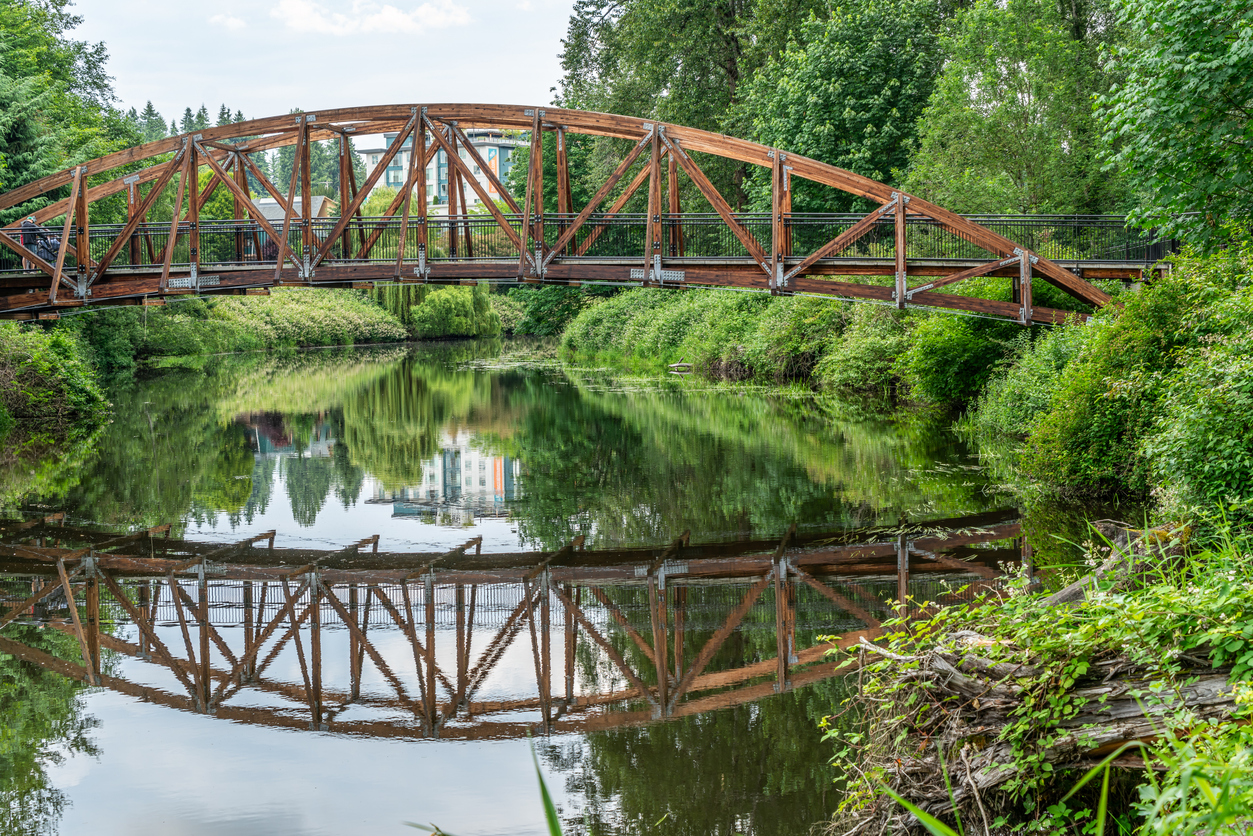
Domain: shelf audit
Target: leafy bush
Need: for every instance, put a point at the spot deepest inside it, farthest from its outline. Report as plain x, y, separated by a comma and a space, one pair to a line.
950, 358
864, 356
547, 310
455, 312
45, 383
510, 309
1024, 387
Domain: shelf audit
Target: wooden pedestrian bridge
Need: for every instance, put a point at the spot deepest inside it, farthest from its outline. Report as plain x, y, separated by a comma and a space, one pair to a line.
359, 641
905, 251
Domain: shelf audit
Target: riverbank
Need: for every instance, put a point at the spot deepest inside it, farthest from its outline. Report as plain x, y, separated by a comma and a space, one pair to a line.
1152, 399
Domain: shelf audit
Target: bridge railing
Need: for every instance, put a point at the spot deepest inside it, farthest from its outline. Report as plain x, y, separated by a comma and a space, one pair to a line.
229, 244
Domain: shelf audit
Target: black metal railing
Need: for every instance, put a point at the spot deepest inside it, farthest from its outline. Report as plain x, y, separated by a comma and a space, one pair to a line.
478, 237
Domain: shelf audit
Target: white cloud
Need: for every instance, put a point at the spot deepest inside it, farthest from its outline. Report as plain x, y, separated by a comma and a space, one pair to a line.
229, 21
366, 16
526, 6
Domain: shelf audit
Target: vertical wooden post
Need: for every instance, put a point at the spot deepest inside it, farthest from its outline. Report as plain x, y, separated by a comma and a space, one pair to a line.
172, 238
564, 207
532, 227
354, 674
1023, 296
899, 249
776, 224
82, 242
656, 605
145, 599
419, 133
676, 211
454, 174
92, 594
462, 650
315, 649
570, 645
787, 211
652, 227
352, 182
429, 607
545, 650
345, 197
292, 184
680, 624
784, 623
245, 674
465, 213
240, 174
202, 619
415, 159
306, 199
193, 211
132, 209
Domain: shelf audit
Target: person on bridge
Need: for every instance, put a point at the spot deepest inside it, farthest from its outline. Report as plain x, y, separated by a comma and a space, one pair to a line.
39, 241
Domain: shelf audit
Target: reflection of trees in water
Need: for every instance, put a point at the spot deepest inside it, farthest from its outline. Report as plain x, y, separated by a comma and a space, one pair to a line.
395, 425
758, 769
43, 723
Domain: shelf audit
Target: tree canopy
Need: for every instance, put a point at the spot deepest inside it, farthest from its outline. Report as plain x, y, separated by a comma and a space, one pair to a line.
1179, 126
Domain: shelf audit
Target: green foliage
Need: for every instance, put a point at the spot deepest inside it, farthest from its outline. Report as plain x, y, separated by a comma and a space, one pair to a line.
118, 338
1010, 127
545, 311
45, 384
1136, 405
455, 312
510, 309
1025, 386
864, 358
851, 96
1196, 610
55, 97
951, 357
1179, 126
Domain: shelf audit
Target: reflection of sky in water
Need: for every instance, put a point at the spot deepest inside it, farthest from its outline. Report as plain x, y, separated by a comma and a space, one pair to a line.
341, 448
163, 772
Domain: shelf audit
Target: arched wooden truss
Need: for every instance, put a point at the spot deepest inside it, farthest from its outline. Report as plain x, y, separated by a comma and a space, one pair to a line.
134, 262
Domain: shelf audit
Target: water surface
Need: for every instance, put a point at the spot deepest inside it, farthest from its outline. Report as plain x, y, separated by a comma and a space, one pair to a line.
428, 448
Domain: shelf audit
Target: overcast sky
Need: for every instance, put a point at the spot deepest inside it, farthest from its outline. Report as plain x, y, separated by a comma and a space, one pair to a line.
265, 57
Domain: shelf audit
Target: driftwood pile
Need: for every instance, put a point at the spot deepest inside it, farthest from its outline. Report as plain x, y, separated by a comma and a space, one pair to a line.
974, 696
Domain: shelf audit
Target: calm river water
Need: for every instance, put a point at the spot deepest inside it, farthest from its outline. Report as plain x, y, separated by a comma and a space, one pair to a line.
427, 448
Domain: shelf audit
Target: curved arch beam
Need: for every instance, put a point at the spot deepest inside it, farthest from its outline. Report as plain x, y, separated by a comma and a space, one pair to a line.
146, 163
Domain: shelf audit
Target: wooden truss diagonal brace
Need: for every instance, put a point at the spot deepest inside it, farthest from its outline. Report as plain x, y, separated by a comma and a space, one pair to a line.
483, 167
717, 639
153, 193
348, 620
238, 191
600, 195
845, 239
59, 276
144, 627
981, 270
251, 654
848, 605
18, 609
347, 213
619, 202
609, 649
454, 159
720, 206
78, 623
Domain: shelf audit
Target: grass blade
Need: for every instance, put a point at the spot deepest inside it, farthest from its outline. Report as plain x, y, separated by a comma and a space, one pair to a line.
933, 825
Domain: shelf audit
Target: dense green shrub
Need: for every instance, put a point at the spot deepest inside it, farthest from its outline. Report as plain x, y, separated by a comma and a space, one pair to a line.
1024, 388
510, 309
950, 358
547, 310
116, 338
45, 384
455, 312
864, 357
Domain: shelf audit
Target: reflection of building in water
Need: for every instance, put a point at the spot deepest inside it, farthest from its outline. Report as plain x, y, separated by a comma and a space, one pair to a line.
457, 485
270, 436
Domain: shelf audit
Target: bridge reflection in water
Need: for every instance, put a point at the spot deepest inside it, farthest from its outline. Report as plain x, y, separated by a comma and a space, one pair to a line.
471, 646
